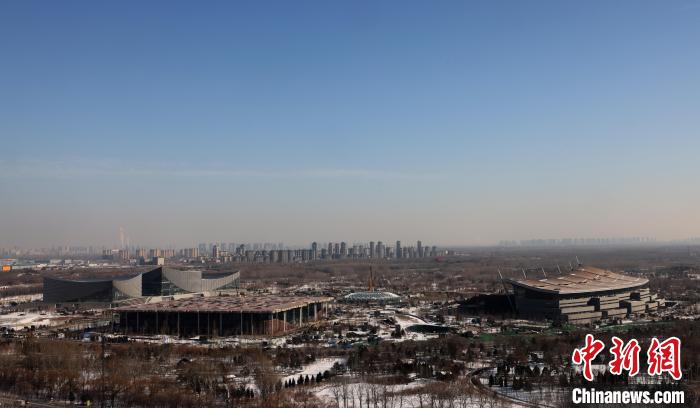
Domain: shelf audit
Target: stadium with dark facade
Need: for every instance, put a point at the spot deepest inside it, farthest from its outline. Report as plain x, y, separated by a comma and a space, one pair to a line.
585, 295
161, 281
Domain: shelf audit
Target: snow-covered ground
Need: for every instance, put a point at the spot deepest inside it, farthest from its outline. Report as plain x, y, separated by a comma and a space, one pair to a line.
318, 366
21, 298
595, 369
355, 394
20, 320
330, 393
545, 398
407, 320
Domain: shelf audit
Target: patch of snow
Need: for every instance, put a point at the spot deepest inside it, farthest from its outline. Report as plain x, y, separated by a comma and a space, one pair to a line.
319, 366
20, 320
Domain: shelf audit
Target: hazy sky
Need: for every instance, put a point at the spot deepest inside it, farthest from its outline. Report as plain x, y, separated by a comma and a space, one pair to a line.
452, 122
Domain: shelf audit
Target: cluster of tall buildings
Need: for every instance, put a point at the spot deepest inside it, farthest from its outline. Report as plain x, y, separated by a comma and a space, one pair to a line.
371, 250
205, 249
139, 253
325, 251
266, 252
226, 252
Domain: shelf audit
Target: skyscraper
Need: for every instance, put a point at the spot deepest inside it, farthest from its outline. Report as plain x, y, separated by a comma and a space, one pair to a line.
398, 249
371, 249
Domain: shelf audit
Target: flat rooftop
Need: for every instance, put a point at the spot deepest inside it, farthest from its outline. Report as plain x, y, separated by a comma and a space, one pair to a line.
583, 280
228, 304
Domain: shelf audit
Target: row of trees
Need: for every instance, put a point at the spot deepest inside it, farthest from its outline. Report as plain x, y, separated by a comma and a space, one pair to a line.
367, 392
307, 380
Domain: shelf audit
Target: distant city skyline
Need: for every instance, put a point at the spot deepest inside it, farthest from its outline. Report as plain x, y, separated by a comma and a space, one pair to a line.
232, 252
458, 123
392, 248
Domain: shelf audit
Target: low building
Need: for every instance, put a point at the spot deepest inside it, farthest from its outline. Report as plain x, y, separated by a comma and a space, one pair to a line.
267, 315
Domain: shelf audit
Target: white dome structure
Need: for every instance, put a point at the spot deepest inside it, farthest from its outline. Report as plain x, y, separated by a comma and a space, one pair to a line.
372, 297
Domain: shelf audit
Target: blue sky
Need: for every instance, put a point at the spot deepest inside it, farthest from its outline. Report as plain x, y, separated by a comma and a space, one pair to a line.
451, 122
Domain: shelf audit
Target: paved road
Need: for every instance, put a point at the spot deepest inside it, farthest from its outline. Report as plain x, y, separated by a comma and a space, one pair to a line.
474, 374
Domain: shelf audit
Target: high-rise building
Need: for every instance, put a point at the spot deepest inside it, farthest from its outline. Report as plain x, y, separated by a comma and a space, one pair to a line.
215, 251
398, 249
314, 250
419, 245
371, 249
194, 253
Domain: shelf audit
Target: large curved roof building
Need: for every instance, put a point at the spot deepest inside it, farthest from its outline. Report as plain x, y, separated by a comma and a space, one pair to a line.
582, 281
584, 295
161, 281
